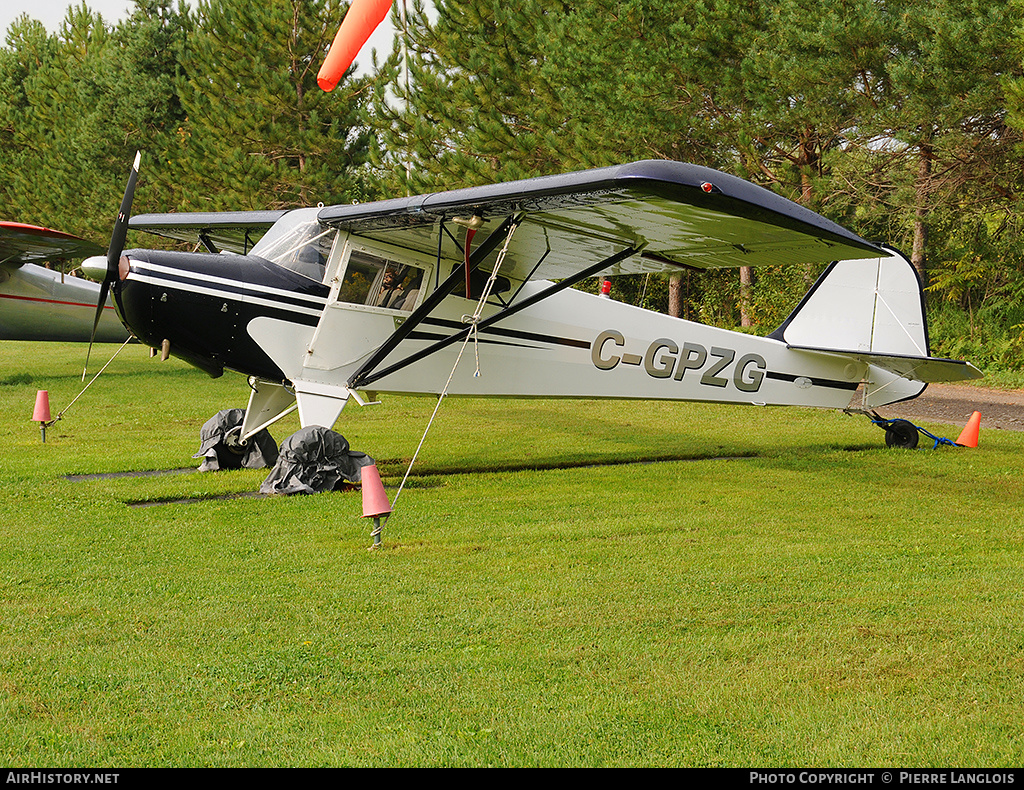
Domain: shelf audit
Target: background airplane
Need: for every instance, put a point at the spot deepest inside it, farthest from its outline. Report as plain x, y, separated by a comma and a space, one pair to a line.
38, 303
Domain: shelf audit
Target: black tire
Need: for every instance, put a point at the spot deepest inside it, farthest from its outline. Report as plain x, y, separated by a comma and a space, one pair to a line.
232, 441
902, 434
229, 450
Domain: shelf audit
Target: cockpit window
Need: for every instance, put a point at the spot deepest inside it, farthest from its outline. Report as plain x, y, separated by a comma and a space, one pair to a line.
302, 246
378, 282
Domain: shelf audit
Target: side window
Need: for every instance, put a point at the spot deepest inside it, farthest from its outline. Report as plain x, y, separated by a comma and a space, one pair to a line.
378, 282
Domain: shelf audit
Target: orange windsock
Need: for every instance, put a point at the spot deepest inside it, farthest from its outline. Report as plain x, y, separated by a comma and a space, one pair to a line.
362, 19
969, 435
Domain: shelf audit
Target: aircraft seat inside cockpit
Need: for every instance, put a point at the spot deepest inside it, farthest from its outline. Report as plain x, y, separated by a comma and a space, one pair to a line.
309, 261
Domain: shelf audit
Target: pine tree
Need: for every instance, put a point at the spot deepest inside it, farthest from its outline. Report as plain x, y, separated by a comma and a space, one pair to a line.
76, 106
29, 49
259, 132
499, 93
934, 129
476, 107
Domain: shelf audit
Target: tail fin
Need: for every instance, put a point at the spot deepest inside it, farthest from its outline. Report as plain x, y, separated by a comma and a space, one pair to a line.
873, 310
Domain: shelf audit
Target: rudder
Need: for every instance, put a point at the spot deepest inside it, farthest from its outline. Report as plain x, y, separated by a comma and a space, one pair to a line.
873, 311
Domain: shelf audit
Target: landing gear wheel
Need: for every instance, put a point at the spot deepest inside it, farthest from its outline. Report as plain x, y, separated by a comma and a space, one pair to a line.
230, 451
901, 433
233, 441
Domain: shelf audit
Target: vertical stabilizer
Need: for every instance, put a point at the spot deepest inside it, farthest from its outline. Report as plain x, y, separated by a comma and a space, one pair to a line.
873, 306
873, 311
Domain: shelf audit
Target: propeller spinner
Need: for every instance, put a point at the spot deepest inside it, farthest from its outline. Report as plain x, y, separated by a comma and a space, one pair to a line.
97, 268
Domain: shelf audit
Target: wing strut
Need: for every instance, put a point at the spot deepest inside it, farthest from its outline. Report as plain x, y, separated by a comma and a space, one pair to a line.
366, 376
433, 300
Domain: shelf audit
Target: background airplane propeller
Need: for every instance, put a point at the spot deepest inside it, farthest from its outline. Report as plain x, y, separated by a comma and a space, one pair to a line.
95, 266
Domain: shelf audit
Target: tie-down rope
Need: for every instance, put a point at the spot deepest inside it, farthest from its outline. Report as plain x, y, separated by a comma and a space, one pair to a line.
473, 320
80, 394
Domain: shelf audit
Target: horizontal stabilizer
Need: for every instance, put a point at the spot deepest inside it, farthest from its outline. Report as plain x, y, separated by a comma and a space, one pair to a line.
873, 311
931, 370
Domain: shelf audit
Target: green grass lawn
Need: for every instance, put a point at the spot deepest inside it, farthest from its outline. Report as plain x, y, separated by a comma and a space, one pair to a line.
562, 584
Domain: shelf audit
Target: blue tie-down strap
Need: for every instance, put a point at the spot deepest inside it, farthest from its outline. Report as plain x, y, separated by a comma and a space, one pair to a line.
903, 433
938, 439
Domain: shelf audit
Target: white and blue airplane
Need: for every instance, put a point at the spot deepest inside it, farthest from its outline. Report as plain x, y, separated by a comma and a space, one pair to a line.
322, 306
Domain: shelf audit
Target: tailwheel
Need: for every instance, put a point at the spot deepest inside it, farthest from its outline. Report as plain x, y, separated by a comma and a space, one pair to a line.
900, 433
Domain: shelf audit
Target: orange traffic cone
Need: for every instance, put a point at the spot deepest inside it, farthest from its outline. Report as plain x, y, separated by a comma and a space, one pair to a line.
969, 435
41, 414
42, 410
375, 500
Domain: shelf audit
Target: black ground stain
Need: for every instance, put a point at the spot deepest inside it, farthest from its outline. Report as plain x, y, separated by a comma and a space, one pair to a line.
421, 479
141, 473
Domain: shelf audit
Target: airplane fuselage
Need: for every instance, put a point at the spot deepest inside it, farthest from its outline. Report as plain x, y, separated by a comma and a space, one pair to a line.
41, 304
250, 315
469, 293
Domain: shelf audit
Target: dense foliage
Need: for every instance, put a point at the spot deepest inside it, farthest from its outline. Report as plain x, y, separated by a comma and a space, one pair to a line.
901, 119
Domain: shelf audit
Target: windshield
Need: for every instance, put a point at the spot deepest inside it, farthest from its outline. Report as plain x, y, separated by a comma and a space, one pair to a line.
299, 243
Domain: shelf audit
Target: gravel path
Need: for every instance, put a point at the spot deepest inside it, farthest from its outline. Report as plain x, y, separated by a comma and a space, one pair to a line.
953, 404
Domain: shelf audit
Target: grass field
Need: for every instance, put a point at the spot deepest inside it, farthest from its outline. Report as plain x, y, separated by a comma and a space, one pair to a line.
562, 584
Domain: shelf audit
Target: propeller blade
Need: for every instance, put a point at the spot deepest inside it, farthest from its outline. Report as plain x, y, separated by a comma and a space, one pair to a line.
120, 231
114, 250
104, 288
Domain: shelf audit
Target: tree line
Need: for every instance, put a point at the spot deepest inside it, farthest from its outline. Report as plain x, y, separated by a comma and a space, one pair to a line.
899, 119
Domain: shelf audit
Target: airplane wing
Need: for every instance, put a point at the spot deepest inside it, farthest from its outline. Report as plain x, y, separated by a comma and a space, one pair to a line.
678, 215
234, 231
21, 244
652, 216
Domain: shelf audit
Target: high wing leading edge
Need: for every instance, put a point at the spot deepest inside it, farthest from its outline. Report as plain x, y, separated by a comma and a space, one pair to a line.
231, 231
676, 216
